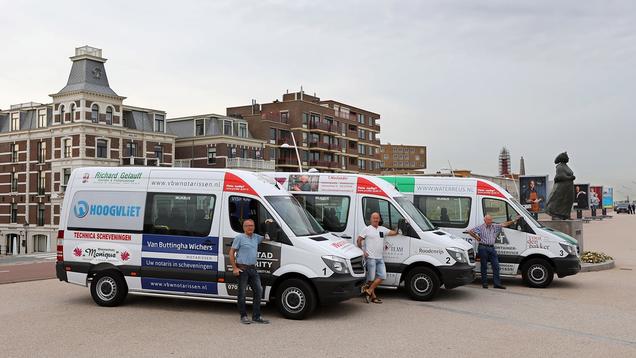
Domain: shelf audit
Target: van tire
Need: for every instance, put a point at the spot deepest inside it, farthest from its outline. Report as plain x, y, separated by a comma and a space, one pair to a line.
295, 299
422, 283
537, 273
109, 288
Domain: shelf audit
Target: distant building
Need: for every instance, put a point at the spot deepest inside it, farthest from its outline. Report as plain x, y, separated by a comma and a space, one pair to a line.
87, 124
402, 159
217, 141
504, 163
330, 136
522, 166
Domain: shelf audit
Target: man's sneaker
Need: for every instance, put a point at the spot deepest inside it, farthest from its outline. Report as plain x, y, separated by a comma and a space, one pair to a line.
245, 320
260, 320
501, 287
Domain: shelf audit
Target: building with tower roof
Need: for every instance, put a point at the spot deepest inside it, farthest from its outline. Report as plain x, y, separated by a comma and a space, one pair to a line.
86, 124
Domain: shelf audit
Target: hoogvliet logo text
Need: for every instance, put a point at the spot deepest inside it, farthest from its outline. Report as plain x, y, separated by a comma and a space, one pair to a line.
83, 209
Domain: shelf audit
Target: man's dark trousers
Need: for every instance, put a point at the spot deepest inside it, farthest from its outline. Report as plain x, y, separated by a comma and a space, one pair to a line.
488, 252
250, 276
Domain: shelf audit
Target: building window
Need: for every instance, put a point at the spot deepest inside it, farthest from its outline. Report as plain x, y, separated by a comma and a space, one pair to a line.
42, 118
15, 121
159, 153
62, 114
14, 152
66, 175
41, 182
41, 152
159, 122
199, 128
361, 118
211, 155
102, 148
14, 182
14, 213
40, 217
272, 134
284, 117
305, 118
109, 115
95, 113
227, 128
66, 144
72, 112
131, 149
242, 127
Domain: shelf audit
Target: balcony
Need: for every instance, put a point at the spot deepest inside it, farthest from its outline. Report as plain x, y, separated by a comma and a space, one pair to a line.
139, 161
250, 164
287, 161
321, 163
321, 145
285, 140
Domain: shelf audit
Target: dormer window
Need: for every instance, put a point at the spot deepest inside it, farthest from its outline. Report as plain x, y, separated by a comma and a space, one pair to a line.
227, 128
159, 123
198, 127
109, 115
95, 113
242, 130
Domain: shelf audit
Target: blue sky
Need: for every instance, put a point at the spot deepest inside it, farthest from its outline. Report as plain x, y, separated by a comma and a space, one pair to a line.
464, 78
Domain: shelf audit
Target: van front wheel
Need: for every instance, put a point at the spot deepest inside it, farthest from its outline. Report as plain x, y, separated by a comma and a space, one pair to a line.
108, 288
537, 273
295, 299
422, 284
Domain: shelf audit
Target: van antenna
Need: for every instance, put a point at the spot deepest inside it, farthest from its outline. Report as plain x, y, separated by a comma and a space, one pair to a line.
451, 169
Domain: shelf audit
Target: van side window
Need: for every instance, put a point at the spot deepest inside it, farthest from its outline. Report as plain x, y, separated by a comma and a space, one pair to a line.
331, 211
445, 211
242, 208
389, 215
501, 211
179, 214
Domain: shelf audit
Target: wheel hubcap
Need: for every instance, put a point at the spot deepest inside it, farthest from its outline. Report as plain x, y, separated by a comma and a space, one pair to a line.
422, 284
106, 288
538, 273
293, 299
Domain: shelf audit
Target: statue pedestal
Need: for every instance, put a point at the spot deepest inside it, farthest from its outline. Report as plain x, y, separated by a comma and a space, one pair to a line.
573, 228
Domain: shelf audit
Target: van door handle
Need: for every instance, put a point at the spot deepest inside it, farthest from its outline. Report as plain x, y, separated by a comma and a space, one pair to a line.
345, 236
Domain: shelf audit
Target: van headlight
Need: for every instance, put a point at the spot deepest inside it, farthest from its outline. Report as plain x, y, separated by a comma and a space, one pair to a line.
570, 249
458, 255
337, 264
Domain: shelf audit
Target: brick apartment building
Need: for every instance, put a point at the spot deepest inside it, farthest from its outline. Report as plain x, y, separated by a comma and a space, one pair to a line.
330, 136
402, 159
86, 124
216, 141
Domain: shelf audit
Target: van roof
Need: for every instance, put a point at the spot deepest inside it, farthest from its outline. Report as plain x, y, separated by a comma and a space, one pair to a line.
174, 180
447, 185
335, 183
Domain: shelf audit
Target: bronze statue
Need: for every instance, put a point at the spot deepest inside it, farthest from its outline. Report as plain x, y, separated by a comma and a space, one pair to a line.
562, 196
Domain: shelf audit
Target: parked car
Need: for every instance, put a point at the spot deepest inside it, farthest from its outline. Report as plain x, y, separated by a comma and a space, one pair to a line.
621, 208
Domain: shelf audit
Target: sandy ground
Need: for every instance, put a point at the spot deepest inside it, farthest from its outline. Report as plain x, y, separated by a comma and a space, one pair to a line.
588, 315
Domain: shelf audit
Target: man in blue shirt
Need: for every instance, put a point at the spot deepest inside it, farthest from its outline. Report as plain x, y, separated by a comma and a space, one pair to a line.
245, 246
486, 234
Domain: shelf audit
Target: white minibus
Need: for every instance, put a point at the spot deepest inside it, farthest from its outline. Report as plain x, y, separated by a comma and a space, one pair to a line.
421, 257
168, 231
459, 204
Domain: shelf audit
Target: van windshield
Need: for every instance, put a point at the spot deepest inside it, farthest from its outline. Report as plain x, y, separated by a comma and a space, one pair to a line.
526, 214
414, 213
297, 218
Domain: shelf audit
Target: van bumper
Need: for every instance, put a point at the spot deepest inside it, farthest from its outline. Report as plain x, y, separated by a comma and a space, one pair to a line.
337, 288
60, 272
567, 266
456, 275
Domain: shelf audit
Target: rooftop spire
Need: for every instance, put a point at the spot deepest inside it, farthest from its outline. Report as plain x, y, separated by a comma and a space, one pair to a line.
88, 73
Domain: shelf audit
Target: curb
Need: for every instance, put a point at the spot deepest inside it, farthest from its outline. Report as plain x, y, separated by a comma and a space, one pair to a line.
608, 265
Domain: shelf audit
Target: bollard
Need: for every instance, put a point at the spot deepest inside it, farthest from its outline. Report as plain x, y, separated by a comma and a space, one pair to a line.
604, 211
579, 214
593, 211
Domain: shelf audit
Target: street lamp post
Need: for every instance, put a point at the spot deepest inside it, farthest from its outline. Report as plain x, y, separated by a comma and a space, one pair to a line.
285, 145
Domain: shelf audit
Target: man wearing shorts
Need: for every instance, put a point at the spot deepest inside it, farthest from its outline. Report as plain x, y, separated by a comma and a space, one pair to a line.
371, 241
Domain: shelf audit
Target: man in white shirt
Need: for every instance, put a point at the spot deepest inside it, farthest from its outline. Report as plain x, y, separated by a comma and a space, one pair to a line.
373, 239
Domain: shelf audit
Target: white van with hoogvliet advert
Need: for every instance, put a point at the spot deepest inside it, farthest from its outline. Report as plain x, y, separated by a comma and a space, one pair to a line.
460, 204
168, 232
420, 256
